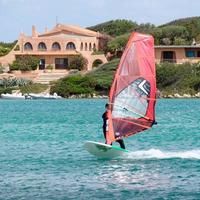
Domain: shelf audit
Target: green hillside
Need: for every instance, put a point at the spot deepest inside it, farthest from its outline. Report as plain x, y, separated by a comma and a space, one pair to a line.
171, 79
177, 32
5, 48
192, 24
115, 27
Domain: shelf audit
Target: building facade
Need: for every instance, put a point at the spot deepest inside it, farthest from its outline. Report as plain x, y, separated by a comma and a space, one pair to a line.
177, 54
58, 46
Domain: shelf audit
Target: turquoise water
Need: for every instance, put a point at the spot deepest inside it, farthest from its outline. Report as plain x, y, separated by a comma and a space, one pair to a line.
42, 154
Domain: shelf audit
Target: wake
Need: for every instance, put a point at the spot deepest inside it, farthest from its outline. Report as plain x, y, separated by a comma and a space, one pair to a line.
156, 153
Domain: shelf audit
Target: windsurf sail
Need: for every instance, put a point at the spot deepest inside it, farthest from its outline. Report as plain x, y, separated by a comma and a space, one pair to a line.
133, 92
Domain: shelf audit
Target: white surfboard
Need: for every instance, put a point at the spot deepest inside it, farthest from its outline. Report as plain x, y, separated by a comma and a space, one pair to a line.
101, 150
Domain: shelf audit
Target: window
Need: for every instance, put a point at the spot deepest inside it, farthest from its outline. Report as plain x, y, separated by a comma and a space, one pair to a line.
90, 47
56, 46
168, 56
85, 46
198, 53
190, 54
71, 46
81, 46
61, 63
94, 47
28, 46
42, 46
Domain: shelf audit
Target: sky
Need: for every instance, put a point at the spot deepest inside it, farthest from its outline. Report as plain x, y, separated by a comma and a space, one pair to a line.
19, 15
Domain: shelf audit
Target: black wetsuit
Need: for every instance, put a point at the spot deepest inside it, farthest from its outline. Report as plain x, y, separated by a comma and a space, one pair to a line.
105, 118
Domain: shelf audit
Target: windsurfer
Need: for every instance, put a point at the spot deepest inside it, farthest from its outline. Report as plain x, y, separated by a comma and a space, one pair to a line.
105, 128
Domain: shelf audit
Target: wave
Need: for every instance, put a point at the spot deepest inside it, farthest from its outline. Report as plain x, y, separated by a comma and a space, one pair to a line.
158, 154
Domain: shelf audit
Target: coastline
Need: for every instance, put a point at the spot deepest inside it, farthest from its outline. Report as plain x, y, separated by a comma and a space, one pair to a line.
170, 96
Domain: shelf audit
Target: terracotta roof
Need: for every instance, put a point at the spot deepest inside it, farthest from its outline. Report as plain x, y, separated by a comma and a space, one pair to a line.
71, 29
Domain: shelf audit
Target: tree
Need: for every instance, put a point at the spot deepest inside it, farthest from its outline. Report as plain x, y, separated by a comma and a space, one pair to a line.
78, 62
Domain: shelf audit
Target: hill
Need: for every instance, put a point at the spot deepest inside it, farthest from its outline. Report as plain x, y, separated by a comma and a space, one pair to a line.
192, 24
115, 27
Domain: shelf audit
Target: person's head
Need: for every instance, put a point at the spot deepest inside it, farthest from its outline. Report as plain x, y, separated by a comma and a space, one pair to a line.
106, 106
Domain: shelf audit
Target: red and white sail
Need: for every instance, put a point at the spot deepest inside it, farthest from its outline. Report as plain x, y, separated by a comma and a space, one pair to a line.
133, 92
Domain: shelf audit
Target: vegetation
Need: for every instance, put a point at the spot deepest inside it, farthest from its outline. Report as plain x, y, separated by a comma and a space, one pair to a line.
171, 78
192, 24
5, 48
25, 63
5, 90
24, 85
178, 32
97, 63
118, 43
14, 82
74, 85
78, 62
115, 27
97, 81
166, 35
33, 88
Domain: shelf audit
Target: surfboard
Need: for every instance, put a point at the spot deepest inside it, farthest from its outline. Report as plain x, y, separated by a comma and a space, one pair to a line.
105, 151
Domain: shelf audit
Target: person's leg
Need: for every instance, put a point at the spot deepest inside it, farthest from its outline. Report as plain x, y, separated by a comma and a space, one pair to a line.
121, 142
104, 132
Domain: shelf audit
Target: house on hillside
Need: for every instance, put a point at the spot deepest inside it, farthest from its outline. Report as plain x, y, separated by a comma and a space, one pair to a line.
58, 46
177, 54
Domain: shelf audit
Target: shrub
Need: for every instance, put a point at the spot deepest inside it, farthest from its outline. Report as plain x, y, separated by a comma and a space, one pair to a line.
78, 62
74, 85
33, 88
96, 63
25, 63
95, 52
183, 78
14, 82
5, 90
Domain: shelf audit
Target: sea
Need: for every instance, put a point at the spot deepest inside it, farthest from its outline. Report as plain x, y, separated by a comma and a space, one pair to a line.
42, 153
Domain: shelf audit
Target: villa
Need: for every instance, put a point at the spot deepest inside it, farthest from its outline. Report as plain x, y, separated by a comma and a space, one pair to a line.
57, 46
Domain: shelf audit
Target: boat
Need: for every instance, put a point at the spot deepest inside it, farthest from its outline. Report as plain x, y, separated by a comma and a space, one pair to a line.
132, 96
13, 96
44, 96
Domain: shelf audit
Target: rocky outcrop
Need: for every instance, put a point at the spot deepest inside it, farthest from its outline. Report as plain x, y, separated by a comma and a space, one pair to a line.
184, 96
